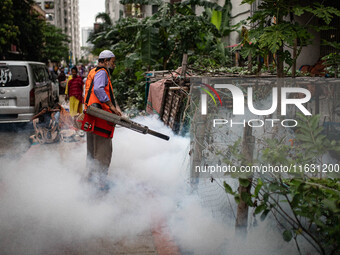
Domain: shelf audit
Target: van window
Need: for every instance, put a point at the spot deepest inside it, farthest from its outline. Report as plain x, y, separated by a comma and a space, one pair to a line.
39, 73
47, 76
13, 76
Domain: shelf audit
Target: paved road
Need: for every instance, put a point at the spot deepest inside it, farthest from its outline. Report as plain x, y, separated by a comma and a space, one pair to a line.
14, 139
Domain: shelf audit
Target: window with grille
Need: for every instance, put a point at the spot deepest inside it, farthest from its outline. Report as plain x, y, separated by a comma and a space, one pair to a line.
133, 10
49, 5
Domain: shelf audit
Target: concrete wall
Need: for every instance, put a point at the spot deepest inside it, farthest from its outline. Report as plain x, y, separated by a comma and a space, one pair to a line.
113, 8
238, 13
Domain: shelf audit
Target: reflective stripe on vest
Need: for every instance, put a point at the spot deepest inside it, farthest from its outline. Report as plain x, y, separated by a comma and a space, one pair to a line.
93, 98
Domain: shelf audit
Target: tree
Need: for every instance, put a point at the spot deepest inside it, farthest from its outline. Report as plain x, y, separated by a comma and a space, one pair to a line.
8, 30
99, 37
303, 205
35, 39
31, 38
273, 27
333, 59
106, 19
55, 46
159, 42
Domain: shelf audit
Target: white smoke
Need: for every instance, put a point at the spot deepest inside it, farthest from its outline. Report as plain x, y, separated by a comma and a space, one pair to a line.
46, 204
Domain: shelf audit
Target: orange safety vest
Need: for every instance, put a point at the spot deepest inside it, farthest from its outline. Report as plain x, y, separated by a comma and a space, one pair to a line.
93, 98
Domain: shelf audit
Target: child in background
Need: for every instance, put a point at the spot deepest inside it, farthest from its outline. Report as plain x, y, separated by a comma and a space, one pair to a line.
74, 91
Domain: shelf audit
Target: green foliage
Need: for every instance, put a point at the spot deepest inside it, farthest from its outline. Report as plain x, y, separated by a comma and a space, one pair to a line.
244, 182
228, 189
225, 28
287, 235
333, 59
216, 18
30, 40
55, 46
277, 156
190, 30
335, 45
313, 204
326, 13
221, 18
202, 3
258, 187
141, 2
106, 18
246, 197
8, 30
312, 141
149, 45
269, 36
35, 39
273, 37
159, 42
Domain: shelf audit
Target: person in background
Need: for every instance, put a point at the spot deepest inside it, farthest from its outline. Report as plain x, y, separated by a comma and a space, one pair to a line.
62, 84
74, 92
68, 78
46, 125
83, 71
54, 73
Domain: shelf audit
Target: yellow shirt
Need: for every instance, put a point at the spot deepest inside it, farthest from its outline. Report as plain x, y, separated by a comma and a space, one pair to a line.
66, 88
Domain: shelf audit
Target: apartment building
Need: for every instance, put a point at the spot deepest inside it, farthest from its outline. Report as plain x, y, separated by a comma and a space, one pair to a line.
117, 10
85, 34
65, 15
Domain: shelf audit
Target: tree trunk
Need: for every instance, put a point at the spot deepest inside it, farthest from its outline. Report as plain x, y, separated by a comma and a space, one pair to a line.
250, 64
336, 71
184, 65
279, 62
294, 58
184, 69
259, 67
279, 53
237, 56
242, 208
242, 212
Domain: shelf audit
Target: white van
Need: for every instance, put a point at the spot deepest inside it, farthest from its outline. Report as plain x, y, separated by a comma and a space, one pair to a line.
25, 87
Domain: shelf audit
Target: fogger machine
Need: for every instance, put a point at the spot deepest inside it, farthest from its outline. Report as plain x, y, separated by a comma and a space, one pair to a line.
103, 123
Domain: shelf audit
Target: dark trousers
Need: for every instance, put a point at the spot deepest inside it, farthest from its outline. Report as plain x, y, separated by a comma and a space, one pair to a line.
99, 153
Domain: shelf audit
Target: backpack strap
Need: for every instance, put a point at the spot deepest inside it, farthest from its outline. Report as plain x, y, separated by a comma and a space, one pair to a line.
111, 95
89, 93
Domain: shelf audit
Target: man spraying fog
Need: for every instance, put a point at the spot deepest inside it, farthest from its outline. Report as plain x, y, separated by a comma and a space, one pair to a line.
99, 92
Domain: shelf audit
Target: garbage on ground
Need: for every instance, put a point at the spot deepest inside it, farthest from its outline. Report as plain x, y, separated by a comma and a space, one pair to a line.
52, 125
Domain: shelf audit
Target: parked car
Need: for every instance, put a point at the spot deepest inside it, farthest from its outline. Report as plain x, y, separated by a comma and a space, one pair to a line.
25, 88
